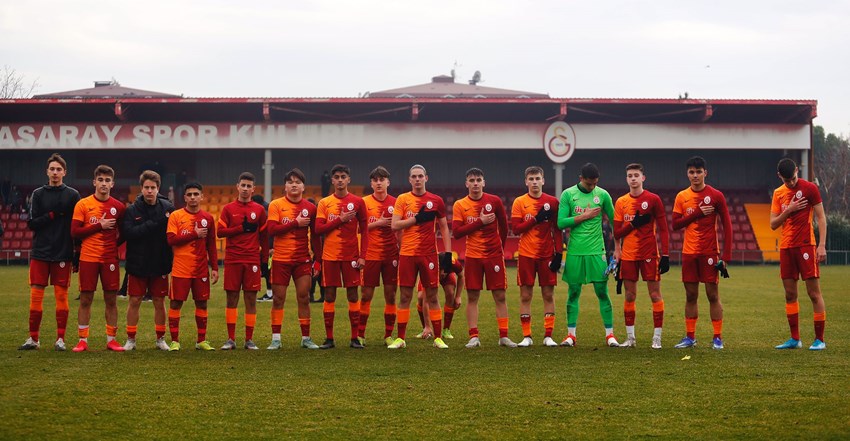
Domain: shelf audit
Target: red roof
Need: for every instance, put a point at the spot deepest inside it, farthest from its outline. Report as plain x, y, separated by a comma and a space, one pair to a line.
443, 86
106, 89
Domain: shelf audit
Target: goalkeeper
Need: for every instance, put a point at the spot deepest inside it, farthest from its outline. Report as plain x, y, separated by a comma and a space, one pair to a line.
580, 210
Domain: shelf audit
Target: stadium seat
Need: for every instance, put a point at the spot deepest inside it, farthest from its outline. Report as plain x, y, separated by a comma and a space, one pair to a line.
7, 244
18, 235
26, 244
15, 245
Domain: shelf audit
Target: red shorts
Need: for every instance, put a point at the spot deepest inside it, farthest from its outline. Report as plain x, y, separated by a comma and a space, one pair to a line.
800, 262
58, 273
699, 268
425, 266
109, 273
242, 276
449, 280
180, 287
375, 270
492, 269
528, 267
282, 272
340, 273
139, 286
648, 269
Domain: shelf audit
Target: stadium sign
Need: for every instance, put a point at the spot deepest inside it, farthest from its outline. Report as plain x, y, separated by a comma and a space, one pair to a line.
559, 142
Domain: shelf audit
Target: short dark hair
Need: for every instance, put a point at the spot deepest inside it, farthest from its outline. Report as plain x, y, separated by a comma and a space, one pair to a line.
150, 175
295, 173
340, 168
104, 170
56, 157
590, 171
695, 162
193, 185
786, 167
475, 171
379, 172
534, 170
246, 176
634, 166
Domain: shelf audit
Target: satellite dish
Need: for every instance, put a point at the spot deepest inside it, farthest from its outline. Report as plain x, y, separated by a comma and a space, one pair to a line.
476, 78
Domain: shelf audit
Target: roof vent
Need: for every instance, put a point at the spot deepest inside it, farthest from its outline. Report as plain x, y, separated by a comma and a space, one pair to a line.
442, 79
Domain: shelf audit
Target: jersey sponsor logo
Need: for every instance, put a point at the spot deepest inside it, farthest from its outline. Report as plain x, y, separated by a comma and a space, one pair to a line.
710, 261
373, 219
332, 217
305, 213
689, 210
706, 200
805, 256
350, 206
204, 223
546, 206
93, 220
528, 217
644, 205
628, 217
113, 211
471, 219
429, 205
253, 215
185, 232
285, 220
111, 267
488, 207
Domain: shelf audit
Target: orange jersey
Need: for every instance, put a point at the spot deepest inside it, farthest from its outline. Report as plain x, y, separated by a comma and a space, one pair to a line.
482, 241
340, 238
539, 240
192, 254
293, 244
101, 246
641, 243
797, 231
701, 233
383, 242
419, 239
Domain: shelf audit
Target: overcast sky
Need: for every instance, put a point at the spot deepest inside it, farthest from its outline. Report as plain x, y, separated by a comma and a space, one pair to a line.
589, 49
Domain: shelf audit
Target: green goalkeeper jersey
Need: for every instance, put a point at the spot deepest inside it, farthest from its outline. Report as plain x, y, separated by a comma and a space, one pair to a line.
585, 238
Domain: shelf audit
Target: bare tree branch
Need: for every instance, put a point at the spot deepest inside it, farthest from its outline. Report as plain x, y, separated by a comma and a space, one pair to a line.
13, 85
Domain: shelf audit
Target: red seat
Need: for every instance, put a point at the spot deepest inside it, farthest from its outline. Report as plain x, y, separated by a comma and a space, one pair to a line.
18, 235
738, 236
28, 234
751, 246
7, 244
26, 244
15, 245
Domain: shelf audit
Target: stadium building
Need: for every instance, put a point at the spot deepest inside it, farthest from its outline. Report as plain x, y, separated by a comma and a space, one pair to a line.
444, 125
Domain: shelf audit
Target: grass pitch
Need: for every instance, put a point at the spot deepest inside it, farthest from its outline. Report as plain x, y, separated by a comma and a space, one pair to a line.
748, 390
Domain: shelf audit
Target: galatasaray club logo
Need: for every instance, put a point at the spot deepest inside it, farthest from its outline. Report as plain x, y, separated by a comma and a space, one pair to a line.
305, 213
805, 256
488, 207
390, 209
429, 205
203, 279
395, 263
354, 264
431, 266
204, 223
799, 194
61, 264
710, 261
111, 267
113, 211
707, 200
559, 142
349, 207
546, 206
254, 268
644, 205
253, 215
497, 268
596, 199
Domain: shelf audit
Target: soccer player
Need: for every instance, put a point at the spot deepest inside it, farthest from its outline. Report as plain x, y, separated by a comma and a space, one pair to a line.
480, 218
149, 256
382, 254
191, 233
95, 223
638, 215
794, 203
697, 209
339, 218
541, 246
243, 223
52, 249
452, 283
580, 209
417, 213
291, 224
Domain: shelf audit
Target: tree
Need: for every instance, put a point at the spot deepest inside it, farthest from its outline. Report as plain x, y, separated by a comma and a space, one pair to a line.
832, 162
13, 85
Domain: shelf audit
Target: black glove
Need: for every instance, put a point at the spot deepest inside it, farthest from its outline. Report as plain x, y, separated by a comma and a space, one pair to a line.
618, 278
75, 262
664, 265
264, 269
722, 268
641, 220
424, 216
555, 263
248, 227
445, 262
543, 215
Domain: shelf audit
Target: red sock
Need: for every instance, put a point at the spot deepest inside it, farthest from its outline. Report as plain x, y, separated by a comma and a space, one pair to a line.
503, 326
448, 315
691, 326
389, 320
201, 322
36, 299
792, 311
473, 332
403, 318
174, 323
328, 310
421, 314
61, 293
131, 331
365, 309
354, 318
548, 323
820, 324
160, 331
436, 321
230, 315
525, 322
305, 326
658, 314
250, 322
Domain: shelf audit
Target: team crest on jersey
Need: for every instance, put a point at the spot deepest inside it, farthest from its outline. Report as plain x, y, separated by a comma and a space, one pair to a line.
111, 267
395, 263
644, 205
253, 215
350, 206
305, 213
497, 268
799, 194
710, 261
805, 256
204, 223
203, 279
707, 199
254, 268
431, 266
546, 206
488, 207
61, 264
113, 211
390, 209
429, 205
596, 199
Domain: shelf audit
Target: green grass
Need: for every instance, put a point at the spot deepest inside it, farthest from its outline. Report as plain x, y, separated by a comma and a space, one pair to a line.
748, 390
